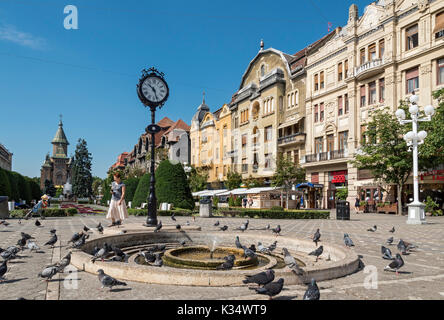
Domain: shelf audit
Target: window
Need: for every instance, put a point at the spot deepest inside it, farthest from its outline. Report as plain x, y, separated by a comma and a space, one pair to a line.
346, 69
244, 140
268, 160
244, 116
381, 90
289, 101
236, 122
372, 52
372, 92
318, 145
296, 157
268, 133
217, 172
362, 56
362, 91
340, 110
225, 130
244, 165
316, 113
343, 140
411, 37
440, 73
363, 140
322, 80
381, 48
262, 70
340, 71
321, 114
281, 103
412, 79
346, 103
316, 86
439, 25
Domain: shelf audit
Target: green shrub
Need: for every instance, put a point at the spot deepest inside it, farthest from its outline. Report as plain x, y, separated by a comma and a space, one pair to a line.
130, 188
431, 207
23, 187
172, 185
342, 194
277, 214
277, 208
362, 203
231, 202
13, 182
142, 191
238, 202
36, 193
17, 213
215, 201
144, 212
5, 186
50, 212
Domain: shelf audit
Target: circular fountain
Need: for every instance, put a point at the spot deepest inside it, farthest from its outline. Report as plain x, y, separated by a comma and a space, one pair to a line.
195, 263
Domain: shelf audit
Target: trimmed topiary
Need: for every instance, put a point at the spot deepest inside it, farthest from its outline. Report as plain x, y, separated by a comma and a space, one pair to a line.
13, 182
5, 186
142, 191
131, 187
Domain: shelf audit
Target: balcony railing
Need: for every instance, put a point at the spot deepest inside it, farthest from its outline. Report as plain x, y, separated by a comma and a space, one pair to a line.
324, 156
295, 137
372, 65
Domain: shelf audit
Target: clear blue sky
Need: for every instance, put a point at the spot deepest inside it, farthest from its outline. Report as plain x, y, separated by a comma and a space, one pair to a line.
89, 75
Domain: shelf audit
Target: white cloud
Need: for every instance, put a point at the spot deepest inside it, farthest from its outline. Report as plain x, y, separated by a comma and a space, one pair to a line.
10, 33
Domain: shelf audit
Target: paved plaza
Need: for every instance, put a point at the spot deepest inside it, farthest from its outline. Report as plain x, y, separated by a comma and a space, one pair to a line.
422, 276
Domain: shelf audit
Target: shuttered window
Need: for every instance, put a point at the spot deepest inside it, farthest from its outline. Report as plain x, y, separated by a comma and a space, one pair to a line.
412, 79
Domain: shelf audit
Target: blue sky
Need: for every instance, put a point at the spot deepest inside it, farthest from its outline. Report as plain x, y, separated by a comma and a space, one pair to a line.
90, 74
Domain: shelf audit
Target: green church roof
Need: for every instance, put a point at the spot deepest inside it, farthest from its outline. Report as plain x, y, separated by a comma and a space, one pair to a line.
60, 136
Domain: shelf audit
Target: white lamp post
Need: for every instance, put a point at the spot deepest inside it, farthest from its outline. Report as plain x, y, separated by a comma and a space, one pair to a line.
414, 138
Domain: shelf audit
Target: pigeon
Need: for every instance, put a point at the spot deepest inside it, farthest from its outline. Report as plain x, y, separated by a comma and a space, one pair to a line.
8, 255
187, 223
312, 292
76, 236
158, 227
248, 253
103, 252
48, 272
66, 260
373, 229
172, 217
158, 247
178, 227
271, 289
80, 242
13, 249
392, 230
261, 278
21, 242
386, 253
52, 231
389, 241
37, 223
402, 247
316, 237
395, 264
244, 226
33, 246
262, 249
228, 264
272, 246
217, 223
182, 242
267, 227
252, 247
85, 228
99, 227
158, 262
277, 230
4, 222
409, 245
290, 262
3, 269
51, 242
237, 242
348, 241
224, 228
108, 281
317, 252
118, 253
26, 236
148, 256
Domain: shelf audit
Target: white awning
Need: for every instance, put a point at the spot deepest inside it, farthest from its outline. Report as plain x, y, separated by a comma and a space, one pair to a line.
241, 191
206, 193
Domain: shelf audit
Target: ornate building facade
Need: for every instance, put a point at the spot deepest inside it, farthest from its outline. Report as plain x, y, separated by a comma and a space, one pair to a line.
57, 168
5, 158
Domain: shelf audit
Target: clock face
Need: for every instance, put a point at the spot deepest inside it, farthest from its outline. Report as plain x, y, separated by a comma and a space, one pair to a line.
154, 89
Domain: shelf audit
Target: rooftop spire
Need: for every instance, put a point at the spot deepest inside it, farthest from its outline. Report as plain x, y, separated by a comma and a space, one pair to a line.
203, 98
262, 44
60, 123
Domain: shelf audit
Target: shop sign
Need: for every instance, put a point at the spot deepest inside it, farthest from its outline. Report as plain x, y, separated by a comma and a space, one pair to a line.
338, 176
436, 174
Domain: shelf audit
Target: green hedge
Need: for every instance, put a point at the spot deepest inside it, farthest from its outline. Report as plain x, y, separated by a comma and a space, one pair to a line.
177, 212
276, 214
142, 190
46, 212
130, 188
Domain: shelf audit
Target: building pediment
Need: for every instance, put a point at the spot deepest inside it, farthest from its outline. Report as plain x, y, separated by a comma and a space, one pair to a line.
371, 18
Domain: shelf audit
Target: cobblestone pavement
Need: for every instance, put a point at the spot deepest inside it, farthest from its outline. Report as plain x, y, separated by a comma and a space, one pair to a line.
422, 277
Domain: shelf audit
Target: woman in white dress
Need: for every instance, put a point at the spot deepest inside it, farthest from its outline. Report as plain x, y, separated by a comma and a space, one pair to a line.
117, 208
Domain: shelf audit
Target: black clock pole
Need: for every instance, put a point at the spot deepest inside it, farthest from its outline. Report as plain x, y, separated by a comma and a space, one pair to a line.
151, 220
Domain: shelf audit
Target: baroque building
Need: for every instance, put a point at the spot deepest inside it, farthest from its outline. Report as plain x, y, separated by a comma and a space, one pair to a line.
57, 168
5, 158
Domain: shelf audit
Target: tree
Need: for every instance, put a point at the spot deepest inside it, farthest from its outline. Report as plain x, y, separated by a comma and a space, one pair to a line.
384, 152
251, 182
5, 186
15, 192
131, 185
35, 188
198, 179
81, 171
287, 174
97, 182
23, 187
172, 185
49, 190
142, 190
234, 180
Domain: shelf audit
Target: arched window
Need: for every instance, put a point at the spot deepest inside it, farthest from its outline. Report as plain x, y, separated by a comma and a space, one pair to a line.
262, 70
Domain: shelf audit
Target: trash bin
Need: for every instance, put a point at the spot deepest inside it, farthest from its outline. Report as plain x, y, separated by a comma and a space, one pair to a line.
205, 207
4, 210
342, 210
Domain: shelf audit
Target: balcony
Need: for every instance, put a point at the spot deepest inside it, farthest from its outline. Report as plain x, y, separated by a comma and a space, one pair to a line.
294, 138
369, 69
325, 156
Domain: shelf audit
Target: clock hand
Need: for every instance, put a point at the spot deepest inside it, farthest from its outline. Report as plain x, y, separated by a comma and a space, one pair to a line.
154, 91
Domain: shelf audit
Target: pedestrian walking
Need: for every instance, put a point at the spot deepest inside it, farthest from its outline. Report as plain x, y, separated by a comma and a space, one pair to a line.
38, 208
117, 211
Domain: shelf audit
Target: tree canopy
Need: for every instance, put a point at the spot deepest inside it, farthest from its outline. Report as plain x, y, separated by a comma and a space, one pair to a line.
81, 171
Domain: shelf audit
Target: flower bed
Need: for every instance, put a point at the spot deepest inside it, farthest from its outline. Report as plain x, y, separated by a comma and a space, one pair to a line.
68, 212
276, 214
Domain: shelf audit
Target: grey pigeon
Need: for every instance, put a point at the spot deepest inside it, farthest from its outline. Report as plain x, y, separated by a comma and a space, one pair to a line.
148, 256
26, 236
272, 246
392, 230
261, 248
158, 227
386, 253
312, 292
290, 261
8, 255
4, 222
178, 227
277, 230
228, 264
252, 248
348, 241
52, 241
395, 264
224, 228
182, 242
187, 223
217, 223
108, 281
52, 231
402, 247
158, 262
48, 272
158, 247
271, 289
76, 236
409, 245
373, 229
248, 252
3, 269
80, 242
119, 255
66, 260
317, 252
102, 253
267, 227
316, 237
21, 242
33, 246
85, 228
261, 278
244, 226
389, 241
237, 242
172, 217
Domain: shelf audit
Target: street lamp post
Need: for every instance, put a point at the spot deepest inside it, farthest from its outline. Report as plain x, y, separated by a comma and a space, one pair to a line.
416, 214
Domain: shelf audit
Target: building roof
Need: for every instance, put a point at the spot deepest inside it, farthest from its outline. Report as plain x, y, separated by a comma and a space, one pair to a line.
60, 136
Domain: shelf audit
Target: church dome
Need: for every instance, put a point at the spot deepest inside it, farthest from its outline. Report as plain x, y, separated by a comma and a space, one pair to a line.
60, 136
201, 110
